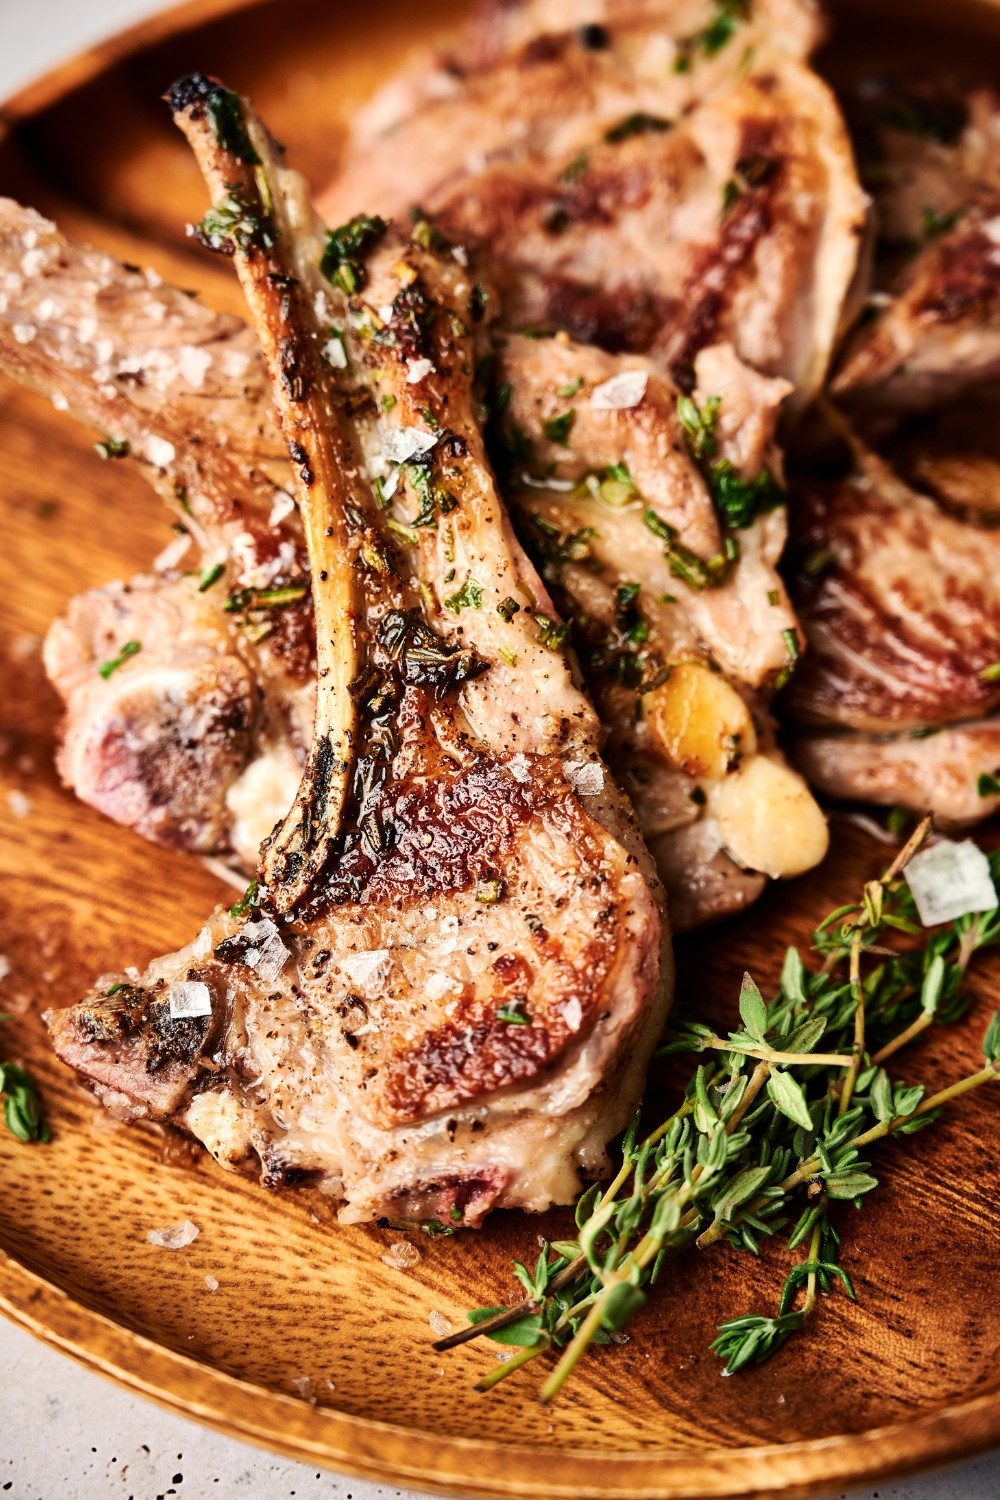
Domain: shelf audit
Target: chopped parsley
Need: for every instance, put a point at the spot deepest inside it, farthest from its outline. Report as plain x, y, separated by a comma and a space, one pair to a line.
990, 673
246, 902
554, 635
773, 597
683, 563
934, 224
723, 26
469, 596
731, 194
513, 1014
628, 619
112, 447
575, 170
225, 115
791, 641
740, 501
489, 891
129, 649
637, 124
341, 263
557, 429
265, 598
478, 298
234, 224
699, 425
508, 608
211, 575
570, 390
988, 786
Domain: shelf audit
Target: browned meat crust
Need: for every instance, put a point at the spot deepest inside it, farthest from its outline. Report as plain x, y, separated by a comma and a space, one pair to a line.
900, 605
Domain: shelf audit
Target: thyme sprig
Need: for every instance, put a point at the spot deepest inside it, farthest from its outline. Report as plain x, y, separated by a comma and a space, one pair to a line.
21, 1105
766, 1117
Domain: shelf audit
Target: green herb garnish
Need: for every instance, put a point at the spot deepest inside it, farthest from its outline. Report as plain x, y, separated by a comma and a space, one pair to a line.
129, 649
934, 224
557, 429
209, 576
112, 447
469, 596
513, 1014
235, 223
246, 902
341, 263
21, 1105
638, 124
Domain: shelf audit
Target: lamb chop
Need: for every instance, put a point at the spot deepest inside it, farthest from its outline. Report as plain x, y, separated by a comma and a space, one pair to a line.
664, 177
682, 623
899, 600
447, 992
197, 739
932, 154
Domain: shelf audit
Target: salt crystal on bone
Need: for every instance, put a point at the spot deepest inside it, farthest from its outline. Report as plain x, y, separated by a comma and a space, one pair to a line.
401, 443
211, 1283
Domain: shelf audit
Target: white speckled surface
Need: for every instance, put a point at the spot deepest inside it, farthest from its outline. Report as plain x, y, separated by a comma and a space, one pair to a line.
66, 1434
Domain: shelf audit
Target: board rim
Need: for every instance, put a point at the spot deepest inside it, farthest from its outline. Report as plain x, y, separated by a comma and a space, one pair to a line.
381, 1451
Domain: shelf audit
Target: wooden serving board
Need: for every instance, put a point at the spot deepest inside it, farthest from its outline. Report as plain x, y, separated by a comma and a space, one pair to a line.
908, 1377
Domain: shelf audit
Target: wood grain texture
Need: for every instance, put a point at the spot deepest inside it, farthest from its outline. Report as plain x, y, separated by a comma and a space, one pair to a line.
907, 1377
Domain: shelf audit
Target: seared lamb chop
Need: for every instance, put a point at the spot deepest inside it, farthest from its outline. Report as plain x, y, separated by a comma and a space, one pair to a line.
672, 177
197, 739
683, 625
448, 994
899, 599
933, 157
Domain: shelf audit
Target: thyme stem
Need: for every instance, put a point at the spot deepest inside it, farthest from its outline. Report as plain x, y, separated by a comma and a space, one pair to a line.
857, 1050
520, 1358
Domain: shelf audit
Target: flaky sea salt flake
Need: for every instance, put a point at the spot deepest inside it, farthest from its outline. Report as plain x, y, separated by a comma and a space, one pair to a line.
949, 880
175, 1236
621, 392
402, 1256
19, 804
190, 998
586, 777
439, 1324
401, 443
